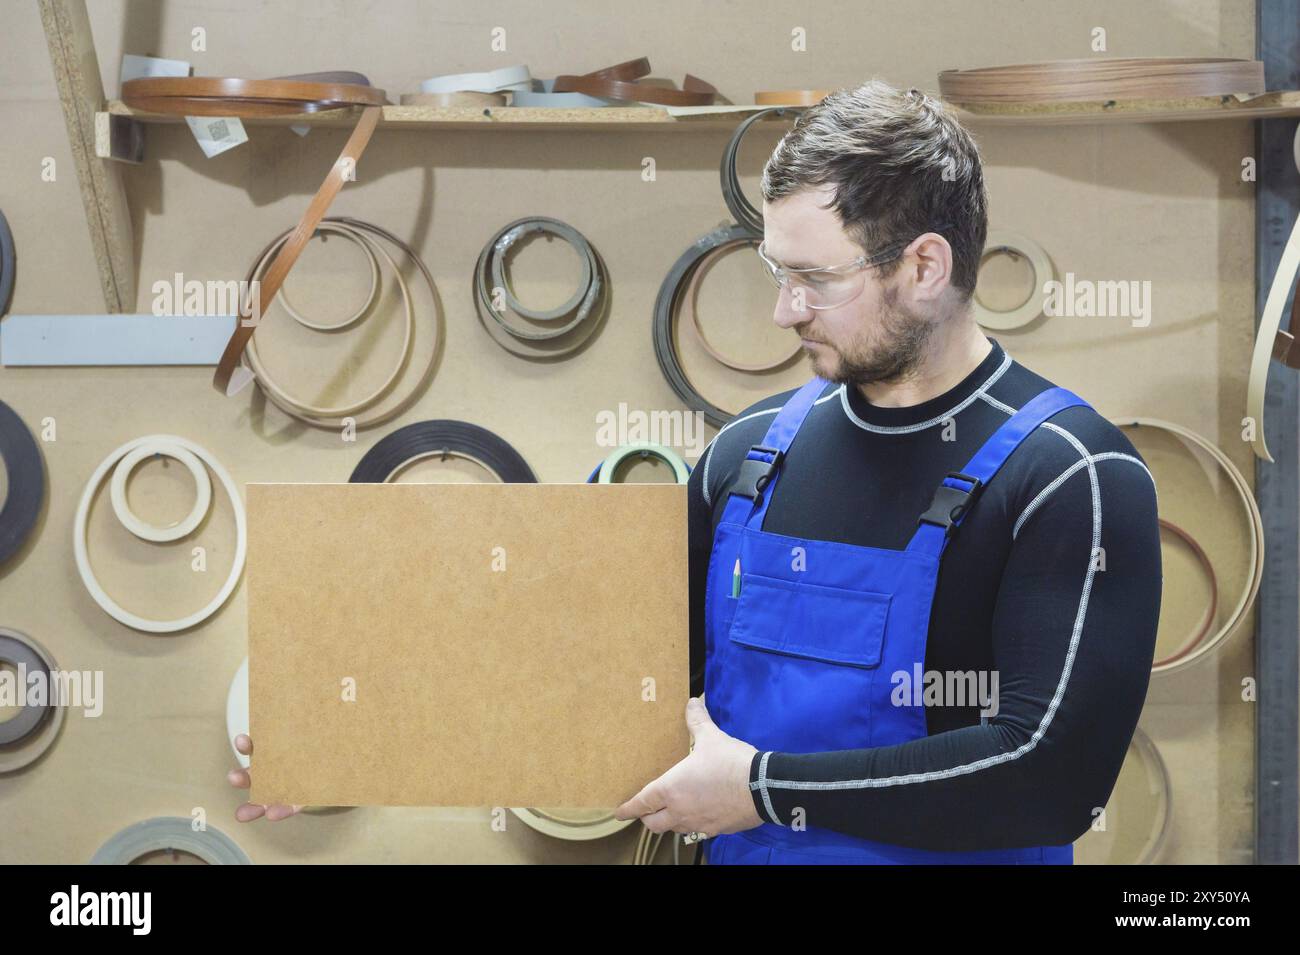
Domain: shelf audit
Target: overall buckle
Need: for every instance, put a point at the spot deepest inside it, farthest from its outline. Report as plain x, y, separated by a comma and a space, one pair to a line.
756, 475
950, 504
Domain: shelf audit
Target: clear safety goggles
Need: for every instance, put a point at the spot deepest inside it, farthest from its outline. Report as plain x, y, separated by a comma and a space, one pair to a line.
833, 286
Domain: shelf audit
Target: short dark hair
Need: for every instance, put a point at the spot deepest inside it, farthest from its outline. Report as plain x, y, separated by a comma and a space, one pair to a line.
901, 165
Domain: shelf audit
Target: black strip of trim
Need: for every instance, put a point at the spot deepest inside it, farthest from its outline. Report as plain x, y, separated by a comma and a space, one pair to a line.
424, 437
26, 474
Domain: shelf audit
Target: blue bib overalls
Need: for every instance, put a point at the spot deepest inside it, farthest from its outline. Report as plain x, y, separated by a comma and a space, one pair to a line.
803, 645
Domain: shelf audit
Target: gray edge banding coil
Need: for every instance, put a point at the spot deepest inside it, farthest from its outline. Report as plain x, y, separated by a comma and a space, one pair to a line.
666, 306
589, 297
741, 208
35, 745
169, 832
8, 263
25, 472
16, 650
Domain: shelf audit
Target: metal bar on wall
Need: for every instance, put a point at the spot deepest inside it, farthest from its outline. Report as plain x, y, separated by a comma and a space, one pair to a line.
1277, 485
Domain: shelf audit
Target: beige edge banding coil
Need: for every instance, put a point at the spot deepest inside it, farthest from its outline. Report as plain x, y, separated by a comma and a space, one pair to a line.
573, 824
297, 407
1255, 573
1269, 325
1004, 240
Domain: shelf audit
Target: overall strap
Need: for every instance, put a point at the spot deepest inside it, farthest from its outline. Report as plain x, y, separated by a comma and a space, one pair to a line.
751, 492
959, 490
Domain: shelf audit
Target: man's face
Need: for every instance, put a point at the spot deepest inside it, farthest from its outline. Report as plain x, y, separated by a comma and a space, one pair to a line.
874, 337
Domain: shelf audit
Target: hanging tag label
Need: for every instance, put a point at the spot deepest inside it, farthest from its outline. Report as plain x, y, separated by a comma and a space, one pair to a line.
216, 134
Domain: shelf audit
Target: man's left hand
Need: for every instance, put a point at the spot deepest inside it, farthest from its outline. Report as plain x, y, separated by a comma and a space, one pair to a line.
707, 792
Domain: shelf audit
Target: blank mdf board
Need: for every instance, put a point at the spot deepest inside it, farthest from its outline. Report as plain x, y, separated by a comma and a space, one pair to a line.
500, 639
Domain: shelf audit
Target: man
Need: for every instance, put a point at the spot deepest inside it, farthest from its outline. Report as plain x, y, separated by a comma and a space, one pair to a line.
935, 508
925, 516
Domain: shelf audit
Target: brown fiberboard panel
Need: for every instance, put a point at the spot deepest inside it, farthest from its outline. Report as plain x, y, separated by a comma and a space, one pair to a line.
499, 637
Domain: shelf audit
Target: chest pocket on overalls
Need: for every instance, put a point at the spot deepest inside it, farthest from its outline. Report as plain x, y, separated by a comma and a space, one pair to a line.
800, 619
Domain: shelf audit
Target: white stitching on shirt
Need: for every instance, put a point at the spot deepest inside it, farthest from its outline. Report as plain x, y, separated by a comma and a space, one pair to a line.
1064, 475
909, 428
760, 785
842, 394
1001, 406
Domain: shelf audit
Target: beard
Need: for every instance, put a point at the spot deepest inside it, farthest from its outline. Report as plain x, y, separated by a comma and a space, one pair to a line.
890, 354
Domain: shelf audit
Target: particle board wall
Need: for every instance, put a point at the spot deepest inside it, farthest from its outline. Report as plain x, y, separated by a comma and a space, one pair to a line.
1163, 203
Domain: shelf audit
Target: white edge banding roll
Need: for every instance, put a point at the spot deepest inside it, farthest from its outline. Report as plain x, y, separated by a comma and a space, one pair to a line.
110, 606
122, 508
1003, 240
493, 81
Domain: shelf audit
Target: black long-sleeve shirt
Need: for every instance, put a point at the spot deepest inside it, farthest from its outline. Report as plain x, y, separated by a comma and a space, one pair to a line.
1053, 581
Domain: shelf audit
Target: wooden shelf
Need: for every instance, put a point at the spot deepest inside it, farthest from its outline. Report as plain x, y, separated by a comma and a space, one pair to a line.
117, 130
1273, 105
632, 118
100, 129
639, 118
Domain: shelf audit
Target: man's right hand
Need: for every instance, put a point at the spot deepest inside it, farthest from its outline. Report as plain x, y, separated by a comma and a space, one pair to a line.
240, 779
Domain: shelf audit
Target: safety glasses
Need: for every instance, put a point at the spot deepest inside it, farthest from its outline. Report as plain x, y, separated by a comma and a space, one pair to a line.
833, 286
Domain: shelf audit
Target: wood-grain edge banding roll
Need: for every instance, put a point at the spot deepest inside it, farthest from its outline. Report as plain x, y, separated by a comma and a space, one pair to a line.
217, 96
790, 97
1115, 78
620, 82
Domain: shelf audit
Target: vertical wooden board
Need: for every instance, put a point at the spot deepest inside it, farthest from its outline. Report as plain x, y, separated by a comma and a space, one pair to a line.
499, 637
81, 93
